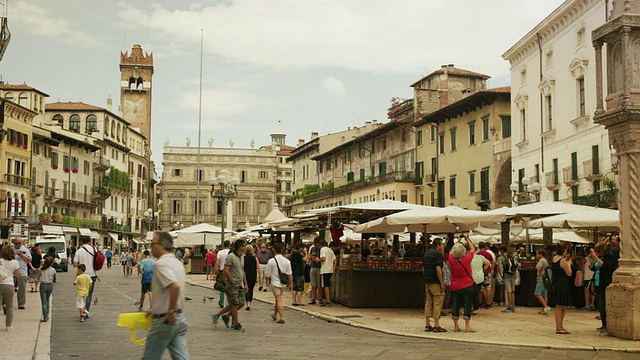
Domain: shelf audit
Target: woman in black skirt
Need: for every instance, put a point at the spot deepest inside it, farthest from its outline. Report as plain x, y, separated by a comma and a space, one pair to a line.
251, 269
561, 274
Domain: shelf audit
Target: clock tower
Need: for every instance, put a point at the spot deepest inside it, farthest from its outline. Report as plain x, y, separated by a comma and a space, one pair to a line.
136, 71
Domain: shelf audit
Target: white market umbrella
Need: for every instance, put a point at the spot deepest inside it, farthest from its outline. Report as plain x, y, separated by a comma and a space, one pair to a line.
594, 218
541, 208
431, 220
200, 234
383, 205
274, 215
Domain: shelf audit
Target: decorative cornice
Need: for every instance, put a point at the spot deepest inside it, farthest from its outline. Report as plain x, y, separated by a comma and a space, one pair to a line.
559, 20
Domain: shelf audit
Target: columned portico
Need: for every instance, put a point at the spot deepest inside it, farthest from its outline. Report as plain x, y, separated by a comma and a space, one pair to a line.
621, 117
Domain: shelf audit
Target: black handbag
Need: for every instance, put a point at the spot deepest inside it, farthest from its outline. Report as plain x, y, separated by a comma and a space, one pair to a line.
284, 278
220, 284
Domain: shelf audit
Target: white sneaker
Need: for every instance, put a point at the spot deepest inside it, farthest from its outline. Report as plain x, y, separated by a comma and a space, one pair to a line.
546, 310
9, 328
86, 314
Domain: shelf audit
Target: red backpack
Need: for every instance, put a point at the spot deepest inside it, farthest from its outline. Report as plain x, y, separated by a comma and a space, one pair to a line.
98, 258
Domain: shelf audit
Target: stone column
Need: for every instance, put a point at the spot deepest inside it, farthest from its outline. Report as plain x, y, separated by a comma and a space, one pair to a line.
623, 295
626, 66
599, 88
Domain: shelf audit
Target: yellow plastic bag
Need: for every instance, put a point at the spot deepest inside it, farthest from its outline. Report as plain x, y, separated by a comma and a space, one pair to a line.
135, 321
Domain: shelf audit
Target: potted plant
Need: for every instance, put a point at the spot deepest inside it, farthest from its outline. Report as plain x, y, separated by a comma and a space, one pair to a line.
66, 169
57, 218
75, 171
54, 167
610, 192
45, 218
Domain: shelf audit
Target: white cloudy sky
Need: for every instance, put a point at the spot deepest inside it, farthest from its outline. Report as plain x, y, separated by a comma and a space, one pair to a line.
316, 65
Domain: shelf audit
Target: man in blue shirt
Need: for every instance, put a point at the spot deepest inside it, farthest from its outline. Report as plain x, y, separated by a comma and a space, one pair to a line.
146, 267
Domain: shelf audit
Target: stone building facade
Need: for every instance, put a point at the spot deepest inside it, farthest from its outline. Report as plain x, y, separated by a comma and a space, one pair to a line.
553, 87
257, 170
467, 152
136, 73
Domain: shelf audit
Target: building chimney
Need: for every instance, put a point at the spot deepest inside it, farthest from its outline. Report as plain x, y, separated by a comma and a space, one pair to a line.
314, 135
300, 142
375, 122
109, 104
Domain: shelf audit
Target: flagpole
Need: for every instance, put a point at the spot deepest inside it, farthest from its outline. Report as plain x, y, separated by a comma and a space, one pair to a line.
198, 207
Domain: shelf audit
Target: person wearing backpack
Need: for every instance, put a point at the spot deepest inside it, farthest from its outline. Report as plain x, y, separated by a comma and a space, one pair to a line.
507, 267
85, 255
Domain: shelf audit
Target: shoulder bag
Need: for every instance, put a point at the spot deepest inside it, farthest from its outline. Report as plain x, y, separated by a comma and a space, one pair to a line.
284, 278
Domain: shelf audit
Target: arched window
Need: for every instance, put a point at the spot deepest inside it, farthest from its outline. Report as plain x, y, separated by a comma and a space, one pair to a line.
23, 99
132, 83
139, 83
74, 123
8, 96
118, 133
92, 124
113, 128
57, 120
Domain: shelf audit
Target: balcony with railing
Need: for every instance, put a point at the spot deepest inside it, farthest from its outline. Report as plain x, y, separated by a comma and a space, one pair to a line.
17, 180
570, 175
502, 145
101, 163
73, 197
36, 190
551, 180
604, 199
100, 193
592, 169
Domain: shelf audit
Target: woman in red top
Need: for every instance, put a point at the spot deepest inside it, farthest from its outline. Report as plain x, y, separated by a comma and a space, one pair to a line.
462, 284
211, 259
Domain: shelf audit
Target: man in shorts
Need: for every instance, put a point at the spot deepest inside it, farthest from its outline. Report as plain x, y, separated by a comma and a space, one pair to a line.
328, 261
211, 259
234, 276
540, 291
314, 273
486, 285
146, 267
508, 277
275, 266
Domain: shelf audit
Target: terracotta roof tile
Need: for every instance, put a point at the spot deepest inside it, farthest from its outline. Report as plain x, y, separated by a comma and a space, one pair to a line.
503, 89
72, 106
23, 86
455, 71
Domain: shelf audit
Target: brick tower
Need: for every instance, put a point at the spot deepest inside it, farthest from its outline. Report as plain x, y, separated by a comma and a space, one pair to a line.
136, 72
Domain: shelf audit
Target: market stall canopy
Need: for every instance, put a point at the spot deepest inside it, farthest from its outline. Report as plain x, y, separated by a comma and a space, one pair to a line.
274, 215
431, 220
588, 219
541, 208
114, 236
85, 232
94, 235
200, 234
70, 230
535, 237
50, 229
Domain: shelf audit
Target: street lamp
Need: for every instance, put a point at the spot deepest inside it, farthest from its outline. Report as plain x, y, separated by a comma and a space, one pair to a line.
150, 218
528, 196
224, 188
177, 225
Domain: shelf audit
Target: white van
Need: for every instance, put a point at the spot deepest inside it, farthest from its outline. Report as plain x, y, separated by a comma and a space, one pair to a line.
59, 243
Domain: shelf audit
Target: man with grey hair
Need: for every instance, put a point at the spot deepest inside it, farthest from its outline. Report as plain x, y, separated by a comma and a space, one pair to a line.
168, 326
24, 259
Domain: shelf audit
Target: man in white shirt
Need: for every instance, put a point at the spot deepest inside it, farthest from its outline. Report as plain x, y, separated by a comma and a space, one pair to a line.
84, 255
168, 325
328, 260
221, 258
275, 266
23, 255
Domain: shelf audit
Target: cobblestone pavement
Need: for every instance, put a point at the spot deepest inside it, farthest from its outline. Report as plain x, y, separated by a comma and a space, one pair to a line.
302, 336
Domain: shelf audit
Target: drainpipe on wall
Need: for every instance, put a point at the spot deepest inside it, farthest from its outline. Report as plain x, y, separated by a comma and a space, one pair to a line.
541, 107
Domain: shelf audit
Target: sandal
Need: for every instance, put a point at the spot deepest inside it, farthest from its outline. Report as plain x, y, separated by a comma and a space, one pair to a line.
562, 331
457, 330
438, 329
428, 328
469, 330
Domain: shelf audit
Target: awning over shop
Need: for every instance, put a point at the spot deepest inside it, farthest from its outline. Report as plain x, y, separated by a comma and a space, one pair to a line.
138, 241
94, 235
85, 232
68, 229
114, 236
49, 229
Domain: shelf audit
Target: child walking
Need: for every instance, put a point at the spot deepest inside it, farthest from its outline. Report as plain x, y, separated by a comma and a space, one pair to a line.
83, 284
45, 277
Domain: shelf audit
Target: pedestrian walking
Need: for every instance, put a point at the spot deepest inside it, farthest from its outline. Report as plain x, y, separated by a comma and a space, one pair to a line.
130, 262
210, 259
279, 270
237, 284
84, 256
297, 270
252, 272
328, 260
561, 274
168, 325
108, 254
45, 276
10, 264
314, 271
146, 268
263, 254
83, 284
34, 267
220, 261
23, 256
540, 291
462, 283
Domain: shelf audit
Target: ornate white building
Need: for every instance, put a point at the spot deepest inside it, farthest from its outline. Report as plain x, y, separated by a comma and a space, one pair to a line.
554, 139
